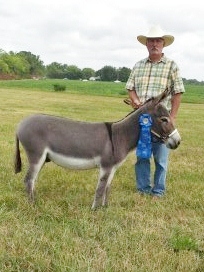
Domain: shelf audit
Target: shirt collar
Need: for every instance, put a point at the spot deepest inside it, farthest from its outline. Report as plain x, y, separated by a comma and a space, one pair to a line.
163, 59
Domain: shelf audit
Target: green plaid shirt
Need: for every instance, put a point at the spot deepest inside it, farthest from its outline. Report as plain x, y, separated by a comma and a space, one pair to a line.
150, 79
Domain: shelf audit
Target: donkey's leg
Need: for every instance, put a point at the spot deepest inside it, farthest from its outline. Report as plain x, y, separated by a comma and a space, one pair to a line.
107, 188
104, 181
32, 173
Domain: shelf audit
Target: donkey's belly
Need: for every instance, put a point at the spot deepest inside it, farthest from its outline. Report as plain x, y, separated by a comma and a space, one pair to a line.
73, 162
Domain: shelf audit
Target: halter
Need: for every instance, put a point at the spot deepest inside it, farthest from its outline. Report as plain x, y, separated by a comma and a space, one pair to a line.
164, 138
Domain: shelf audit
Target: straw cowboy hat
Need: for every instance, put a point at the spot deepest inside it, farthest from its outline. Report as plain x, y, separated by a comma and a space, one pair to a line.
156, 32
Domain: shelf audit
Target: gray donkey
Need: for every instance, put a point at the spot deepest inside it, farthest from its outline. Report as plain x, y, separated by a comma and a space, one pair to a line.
85, 145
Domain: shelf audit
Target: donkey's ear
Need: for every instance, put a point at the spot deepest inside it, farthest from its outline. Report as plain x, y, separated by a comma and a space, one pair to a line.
163, 95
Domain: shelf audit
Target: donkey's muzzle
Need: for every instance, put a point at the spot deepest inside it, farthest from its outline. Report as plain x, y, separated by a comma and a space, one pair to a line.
173, 140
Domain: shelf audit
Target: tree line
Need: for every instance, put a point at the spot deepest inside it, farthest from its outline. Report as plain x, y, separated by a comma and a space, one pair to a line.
25, 65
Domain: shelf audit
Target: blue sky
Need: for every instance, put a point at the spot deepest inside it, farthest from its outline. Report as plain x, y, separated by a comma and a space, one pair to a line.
95, 33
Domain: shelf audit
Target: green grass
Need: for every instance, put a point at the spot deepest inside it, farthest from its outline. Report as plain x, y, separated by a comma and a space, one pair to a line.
194, 93
60, 232
72, 86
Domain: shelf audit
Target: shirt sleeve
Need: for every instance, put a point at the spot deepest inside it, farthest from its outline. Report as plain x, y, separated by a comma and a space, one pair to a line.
130, 85
178, 86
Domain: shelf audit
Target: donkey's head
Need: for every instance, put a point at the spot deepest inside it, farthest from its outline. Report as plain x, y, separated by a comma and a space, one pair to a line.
162, 124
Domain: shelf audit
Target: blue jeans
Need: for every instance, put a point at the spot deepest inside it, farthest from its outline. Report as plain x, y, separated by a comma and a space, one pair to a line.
143, 171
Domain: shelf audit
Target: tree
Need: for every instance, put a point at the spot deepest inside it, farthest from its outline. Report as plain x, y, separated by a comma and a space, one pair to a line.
73, 72
56, 70
87, 73
13, 65
36, 67
4, 68
123, 74
107, 73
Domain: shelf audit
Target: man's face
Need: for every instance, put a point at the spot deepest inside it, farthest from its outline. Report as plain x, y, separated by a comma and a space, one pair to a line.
155, 45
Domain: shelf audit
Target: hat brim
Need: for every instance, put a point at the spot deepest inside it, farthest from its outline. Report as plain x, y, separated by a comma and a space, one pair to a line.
168, 39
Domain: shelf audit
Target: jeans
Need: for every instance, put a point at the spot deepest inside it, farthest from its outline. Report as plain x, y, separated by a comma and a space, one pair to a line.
143, 171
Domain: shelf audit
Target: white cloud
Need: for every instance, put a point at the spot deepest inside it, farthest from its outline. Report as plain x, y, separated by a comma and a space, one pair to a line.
96, 33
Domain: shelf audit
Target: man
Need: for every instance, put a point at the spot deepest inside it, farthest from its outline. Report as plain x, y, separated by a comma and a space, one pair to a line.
148, 78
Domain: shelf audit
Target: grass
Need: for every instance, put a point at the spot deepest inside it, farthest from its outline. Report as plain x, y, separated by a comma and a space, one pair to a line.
72, 86
61, 233
194, 93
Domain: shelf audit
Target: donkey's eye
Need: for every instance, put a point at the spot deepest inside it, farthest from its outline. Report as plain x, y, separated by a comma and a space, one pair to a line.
164, 119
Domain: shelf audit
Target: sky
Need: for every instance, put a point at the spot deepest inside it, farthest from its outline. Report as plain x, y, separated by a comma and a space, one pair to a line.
93, 33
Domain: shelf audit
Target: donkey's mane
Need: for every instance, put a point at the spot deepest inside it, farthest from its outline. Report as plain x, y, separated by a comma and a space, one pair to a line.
142, 108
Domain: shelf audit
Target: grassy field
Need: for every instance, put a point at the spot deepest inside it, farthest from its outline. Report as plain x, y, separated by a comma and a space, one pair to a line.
194, 93
60, 232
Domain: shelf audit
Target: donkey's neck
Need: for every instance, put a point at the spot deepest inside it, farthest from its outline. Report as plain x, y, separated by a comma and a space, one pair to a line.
125, 134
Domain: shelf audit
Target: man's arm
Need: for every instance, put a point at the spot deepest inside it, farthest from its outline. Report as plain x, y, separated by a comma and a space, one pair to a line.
134, 98
175, 103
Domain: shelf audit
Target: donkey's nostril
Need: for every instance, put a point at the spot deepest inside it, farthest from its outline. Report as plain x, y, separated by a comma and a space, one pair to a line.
173, 143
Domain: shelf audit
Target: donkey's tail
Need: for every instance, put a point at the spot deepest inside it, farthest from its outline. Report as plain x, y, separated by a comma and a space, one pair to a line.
17, 158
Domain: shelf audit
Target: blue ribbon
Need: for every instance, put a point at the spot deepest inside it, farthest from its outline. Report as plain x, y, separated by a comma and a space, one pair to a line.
144, 145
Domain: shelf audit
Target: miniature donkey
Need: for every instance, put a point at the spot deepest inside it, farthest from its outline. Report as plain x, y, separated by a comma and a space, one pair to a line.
84, 145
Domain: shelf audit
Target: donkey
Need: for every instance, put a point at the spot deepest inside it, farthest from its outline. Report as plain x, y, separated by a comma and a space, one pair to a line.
85, 145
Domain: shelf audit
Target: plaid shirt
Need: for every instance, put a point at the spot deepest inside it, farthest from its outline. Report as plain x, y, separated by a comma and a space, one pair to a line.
150, 79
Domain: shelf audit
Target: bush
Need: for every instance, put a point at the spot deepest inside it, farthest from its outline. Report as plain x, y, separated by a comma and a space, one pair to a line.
59, 87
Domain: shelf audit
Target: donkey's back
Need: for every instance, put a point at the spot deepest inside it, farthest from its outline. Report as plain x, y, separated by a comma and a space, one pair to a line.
67, 142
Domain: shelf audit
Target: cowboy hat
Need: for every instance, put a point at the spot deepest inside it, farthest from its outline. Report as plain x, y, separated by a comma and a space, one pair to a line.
156, 32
